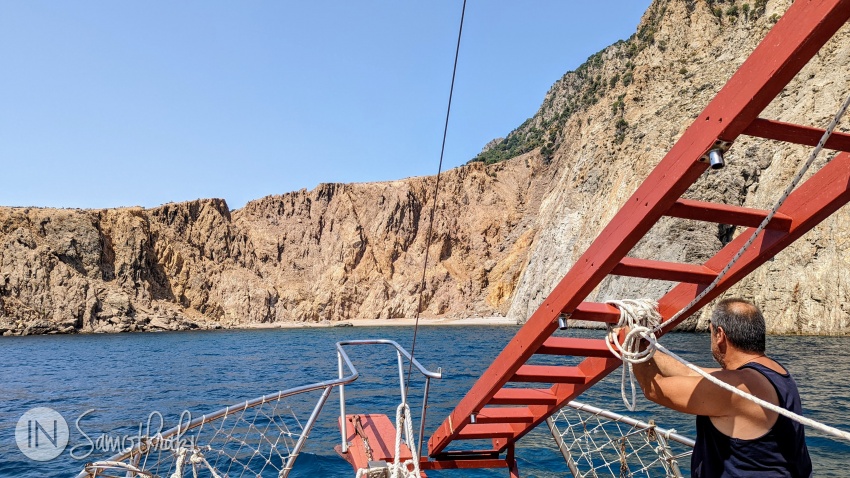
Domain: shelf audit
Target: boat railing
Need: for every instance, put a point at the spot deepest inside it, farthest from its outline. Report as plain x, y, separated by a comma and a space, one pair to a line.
598, 442
400, 352
264, 438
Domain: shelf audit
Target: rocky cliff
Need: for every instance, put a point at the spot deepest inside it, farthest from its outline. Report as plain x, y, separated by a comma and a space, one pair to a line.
610, 122
338, 252
504, 233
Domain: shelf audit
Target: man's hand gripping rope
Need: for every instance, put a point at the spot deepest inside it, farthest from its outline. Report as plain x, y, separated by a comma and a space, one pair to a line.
641, 317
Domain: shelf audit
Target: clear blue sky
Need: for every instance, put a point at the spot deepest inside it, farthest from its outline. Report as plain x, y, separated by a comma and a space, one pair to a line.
107, 103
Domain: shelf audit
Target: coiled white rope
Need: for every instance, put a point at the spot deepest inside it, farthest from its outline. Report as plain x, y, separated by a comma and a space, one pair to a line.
638, 315
372, 473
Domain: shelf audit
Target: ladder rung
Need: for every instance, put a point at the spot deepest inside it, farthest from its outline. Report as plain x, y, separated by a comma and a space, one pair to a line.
672, 271
482, 431
574, 346
549, 374
505, 415
524, 396
596, 312
727, 214
793, 133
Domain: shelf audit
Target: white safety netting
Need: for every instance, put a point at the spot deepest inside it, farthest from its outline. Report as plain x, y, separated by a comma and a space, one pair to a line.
597, 443
246, 441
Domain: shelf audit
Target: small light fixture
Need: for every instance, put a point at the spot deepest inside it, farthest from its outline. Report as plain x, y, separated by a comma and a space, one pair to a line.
473, 418
562, 321
715, 159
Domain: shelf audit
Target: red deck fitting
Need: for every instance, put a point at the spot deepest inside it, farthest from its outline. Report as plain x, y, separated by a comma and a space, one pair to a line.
792, 42
380, 433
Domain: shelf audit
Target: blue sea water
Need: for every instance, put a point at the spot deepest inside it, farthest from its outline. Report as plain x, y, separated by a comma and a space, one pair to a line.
126, 377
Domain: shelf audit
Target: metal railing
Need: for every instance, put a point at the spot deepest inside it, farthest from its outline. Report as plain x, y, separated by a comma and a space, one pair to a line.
342, 357
129, 460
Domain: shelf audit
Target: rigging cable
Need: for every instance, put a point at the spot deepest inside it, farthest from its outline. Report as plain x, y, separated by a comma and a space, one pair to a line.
434, 206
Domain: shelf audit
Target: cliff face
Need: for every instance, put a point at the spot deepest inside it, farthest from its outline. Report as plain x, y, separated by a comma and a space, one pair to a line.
340, 251
504, 234
681, 56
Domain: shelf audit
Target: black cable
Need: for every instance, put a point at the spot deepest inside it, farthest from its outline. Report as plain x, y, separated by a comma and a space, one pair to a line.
434, 206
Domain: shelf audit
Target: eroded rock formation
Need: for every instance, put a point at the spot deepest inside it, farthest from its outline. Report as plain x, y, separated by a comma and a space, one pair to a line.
504, 233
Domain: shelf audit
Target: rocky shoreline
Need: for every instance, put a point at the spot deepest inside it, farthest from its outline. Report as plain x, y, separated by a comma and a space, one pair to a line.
46, 328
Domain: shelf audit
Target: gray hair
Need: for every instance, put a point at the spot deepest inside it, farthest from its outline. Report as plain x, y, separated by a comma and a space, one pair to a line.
743, 323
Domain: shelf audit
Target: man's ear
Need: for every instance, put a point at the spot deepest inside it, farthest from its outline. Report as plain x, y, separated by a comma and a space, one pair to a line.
721, 335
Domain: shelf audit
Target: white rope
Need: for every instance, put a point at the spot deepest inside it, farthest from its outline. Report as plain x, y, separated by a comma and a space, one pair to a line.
372, 473
403, 421
639, 315
198, 459
814, 154
181, 459
195, 459
786, 413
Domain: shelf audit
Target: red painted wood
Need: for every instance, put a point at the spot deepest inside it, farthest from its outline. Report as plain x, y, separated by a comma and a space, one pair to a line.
574, 346
548, 374
513, 470
787, 48
380, 432
467, 455
726, 214
505, 415
792, 133
670, 271
523, 396
485, 431
812, 202
596, 312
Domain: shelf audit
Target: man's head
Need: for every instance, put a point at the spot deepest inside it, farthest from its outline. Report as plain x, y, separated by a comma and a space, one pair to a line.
742, 325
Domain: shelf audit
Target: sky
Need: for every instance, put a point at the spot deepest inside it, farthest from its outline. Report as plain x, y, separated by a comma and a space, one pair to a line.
114, 104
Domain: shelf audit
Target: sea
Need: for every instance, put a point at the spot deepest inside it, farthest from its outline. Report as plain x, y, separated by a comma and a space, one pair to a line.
105, 385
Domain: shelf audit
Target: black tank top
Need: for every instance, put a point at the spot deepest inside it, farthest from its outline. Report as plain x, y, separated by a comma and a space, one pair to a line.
781, 452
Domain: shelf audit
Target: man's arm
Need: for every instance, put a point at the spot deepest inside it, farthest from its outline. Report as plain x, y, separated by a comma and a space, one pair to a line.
670, 367
667, 382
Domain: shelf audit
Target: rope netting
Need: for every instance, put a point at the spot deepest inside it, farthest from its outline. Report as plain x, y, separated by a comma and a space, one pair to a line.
598, 442
252, 440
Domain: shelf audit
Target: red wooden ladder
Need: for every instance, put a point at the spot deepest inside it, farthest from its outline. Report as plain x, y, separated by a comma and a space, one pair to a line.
503, 414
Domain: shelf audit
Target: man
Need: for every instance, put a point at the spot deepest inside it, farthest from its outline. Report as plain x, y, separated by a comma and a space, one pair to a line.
735, 437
